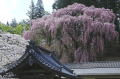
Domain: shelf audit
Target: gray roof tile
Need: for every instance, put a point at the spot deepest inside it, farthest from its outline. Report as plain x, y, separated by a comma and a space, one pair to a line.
100, 64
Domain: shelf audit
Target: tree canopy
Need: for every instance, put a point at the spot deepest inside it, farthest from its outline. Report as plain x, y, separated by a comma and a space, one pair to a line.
13, 23
79, 31
36, 11
108, 4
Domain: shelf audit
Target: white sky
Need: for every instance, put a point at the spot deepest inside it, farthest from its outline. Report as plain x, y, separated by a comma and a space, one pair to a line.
17, 9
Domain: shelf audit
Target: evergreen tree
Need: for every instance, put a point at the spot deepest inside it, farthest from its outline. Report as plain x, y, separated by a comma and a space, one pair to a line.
39, 10
7, 23
36, 11
13, 23
31, 12
23, 22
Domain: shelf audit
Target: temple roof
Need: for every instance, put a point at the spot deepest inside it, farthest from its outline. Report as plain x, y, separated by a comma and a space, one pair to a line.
96, 68
43, 57
100, 64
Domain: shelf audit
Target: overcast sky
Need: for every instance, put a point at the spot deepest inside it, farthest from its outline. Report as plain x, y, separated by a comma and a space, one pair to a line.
10, 9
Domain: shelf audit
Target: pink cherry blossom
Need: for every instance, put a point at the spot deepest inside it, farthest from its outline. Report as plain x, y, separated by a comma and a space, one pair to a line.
82, 30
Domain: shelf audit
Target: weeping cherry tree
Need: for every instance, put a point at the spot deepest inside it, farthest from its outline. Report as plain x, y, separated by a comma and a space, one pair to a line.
80, 31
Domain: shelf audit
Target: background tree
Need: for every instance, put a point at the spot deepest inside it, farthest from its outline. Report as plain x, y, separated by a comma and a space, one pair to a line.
7, 23
39, 9
78, 32
24, 22
13, 23
36, 11
31, 12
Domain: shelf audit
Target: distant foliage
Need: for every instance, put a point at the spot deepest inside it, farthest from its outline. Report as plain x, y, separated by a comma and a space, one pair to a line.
36, 11
5, 28
19, 29
39, 9
31, 12
13, 23
79, 31
7, 23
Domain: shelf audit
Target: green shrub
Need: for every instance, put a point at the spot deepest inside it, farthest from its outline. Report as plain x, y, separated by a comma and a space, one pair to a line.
19, 29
